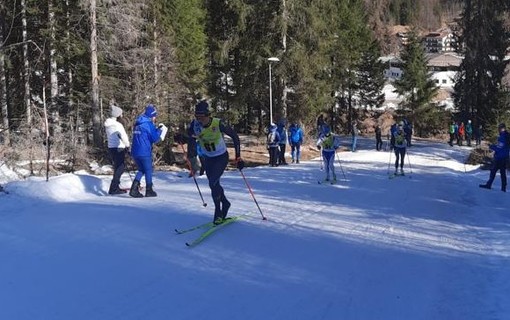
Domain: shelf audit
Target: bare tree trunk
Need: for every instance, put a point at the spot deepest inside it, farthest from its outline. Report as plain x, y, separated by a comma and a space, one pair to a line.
285, 17
156, 61
70, 97
3, 84
46, 125
96, 122
26, 65
55, 118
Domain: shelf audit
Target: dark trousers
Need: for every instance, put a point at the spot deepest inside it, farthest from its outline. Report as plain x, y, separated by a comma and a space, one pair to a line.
214, 168
295, 151
117, 155
273, 156
498, 165
281, 154
378, 143
400, 154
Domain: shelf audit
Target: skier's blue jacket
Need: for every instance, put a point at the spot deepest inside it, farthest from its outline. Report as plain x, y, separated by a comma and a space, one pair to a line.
502, 148
145, 134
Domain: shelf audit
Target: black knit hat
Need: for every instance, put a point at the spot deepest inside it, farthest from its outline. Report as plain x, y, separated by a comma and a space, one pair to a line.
202, 109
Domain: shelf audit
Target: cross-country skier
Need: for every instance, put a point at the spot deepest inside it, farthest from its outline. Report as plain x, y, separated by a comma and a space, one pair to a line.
400, 148
208, 133
329, 143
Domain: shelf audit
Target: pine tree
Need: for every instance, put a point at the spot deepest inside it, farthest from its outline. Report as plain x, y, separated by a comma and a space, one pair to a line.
484, 39
371, 77
416, 84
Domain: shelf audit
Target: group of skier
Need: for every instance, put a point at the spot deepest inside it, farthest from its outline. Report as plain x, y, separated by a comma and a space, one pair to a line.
277, 139
459, 133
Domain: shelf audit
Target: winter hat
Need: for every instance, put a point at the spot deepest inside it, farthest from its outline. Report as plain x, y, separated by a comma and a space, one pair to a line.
150, 111
501, 126
116, 111
202, 108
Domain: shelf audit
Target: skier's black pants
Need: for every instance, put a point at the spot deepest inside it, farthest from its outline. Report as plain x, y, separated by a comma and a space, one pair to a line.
281, 155
118, 155
273, 155
400, 154
214, 168
498, 165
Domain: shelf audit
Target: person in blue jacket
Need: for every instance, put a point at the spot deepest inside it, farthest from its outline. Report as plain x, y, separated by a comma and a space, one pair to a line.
145, 134
208, 132
295, 139
282, 131
501, 154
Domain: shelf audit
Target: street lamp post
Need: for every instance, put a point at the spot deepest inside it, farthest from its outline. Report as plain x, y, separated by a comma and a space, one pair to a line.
272, 59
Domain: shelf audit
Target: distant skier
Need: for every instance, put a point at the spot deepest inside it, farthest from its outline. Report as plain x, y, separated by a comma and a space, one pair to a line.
400, 148
145, 134
273, 139
501, 154
208, 133
329, 142
118, 145
295, 139
461, 134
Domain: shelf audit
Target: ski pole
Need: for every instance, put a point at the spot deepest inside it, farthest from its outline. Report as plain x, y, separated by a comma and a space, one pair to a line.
252, 195
192, 172
340, 163
409, 160
322, 164
389, 162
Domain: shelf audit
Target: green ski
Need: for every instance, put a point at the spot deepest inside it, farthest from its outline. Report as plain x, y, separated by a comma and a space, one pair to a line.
211, 230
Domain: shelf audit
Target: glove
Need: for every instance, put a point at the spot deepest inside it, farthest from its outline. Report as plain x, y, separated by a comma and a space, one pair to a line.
319, 147
239, 163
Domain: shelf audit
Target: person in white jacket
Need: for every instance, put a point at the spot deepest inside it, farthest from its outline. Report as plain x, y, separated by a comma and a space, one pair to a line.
118, 145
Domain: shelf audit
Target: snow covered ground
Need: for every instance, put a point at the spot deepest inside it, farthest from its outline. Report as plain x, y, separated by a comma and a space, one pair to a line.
430, 245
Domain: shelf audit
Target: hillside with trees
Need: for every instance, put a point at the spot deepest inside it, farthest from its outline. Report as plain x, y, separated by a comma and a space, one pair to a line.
63, 63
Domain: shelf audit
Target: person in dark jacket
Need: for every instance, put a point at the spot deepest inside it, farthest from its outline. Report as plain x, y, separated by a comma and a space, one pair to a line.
145, 134
378, 138
208, 132
400, 145
501, 154
282, 144
273, 139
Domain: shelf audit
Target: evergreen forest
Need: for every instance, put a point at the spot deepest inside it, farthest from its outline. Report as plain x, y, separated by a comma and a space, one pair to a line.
63, 63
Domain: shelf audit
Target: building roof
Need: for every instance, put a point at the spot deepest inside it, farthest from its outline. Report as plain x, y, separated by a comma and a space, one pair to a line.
444, 60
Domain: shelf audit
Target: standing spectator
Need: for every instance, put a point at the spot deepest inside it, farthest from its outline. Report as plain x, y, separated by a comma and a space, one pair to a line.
273, 139
295, 139
378, 138
479, 135
329, 142
355, 133
208, 133
451, 130
145, 134
393, 130
320, 125
469, 133
400, 148
462, 132
282, 131
408, 130
118, 145
456, 132
501, 154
